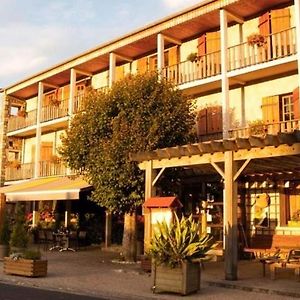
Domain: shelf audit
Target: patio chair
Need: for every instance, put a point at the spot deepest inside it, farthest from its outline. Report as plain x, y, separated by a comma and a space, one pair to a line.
82, 239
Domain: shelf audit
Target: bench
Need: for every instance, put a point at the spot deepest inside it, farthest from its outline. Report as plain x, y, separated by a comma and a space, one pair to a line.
270, 249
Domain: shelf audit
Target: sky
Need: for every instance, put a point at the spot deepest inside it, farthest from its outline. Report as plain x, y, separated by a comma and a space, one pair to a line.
37, 34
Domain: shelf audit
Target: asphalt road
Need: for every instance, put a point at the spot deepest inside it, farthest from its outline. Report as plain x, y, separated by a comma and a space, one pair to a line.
13, 292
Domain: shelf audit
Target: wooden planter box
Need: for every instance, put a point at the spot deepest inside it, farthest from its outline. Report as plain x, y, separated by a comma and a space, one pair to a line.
25, 267
184, 279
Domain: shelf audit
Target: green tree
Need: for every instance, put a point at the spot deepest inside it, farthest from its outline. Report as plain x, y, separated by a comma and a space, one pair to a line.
139, 113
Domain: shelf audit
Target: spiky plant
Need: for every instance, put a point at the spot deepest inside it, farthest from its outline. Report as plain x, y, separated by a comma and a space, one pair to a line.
179, 241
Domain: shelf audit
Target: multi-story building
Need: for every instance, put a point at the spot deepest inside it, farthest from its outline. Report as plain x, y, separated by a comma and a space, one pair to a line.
238, 59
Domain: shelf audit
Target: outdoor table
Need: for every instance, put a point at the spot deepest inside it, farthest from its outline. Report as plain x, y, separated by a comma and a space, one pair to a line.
62, 238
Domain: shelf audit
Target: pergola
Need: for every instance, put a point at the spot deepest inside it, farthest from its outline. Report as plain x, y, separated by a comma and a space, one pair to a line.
230, 158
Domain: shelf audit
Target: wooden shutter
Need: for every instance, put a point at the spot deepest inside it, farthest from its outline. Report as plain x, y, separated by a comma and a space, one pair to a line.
214, 119
202, 45
296, 103
213, 42
142, 65
270, 109
153, 63
66, 92
46, 150
202, 122
280, 19
173, 56
33, 153
264, 24
120, 71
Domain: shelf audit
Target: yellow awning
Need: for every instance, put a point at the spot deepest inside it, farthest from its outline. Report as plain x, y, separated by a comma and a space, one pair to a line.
52, 188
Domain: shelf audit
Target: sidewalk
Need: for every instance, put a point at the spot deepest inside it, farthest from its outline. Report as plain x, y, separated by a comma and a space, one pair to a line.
98, 273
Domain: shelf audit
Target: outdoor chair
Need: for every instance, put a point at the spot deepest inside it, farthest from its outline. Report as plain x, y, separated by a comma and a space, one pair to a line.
82, 239
73, 239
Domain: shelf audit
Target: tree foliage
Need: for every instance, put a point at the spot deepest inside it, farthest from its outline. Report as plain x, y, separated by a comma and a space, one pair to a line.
139, 113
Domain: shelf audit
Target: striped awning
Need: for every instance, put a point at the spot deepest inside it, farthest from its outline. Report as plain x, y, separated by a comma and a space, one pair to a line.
52, 188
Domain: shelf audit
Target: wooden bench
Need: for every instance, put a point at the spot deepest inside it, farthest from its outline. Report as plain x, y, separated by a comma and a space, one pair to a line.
270, 249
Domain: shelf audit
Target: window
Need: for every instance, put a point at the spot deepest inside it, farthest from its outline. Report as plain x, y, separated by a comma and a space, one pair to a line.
290, 207
286, 108
209, 120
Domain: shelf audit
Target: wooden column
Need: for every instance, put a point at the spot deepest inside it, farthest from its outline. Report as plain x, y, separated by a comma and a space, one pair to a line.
224, 70
297, 23
149, 192
160, 53
112, 69
230, 218
38, 133
108, 228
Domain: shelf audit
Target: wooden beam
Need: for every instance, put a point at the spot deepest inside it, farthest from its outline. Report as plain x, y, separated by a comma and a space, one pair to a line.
230, 145
83, 72
172, 40
243, 143
193, 149
287, 138
241, 169
158, 176
235, 17
126, 58
272, 140
218, 169
256, 141
50, 85
217, 146
162, 153
205, 147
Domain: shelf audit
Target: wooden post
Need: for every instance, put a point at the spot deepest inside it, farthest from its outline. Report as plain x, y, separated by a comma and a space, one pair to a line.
160, 53
108, 228
230, 218
297, 23
149, 192
112, 69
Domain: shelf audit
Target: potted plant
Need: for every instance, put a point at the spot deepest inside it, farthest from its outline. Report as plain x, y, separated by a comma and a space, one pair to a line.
295, 219
192, 57
23, 261
4, 237
256, 39
176, 251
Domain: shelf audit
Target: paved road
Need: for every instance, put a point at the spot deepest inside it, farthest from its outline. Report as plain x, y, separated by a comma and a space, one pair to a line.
12, 292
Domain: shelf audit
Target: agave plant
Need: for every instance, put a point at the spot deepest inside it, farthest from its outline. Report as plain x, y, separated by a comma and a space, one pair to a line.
179, 241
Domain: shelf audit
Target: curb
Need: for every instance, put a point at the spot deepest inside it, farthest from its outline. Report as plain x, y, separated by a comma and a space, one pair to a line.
253, 289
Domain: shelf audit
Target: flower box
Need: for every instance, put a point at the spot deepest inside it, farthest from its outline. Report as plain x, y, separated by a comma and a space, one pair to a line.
183, 279
25, 267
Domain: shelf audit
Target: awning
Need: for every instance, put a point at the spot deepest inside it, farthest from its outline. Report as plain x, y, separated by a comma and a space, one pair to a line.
51, 188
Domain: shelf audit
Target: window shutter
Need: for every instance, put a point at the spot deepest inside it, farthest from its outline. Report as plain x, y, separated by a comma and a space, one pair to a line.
214, 119
142, 65
120, 73
173, 56
202, 122
296, 103
46, 150
202, 45
153, 63
66, 92
270, 109
213, 42
264, 24
280, 19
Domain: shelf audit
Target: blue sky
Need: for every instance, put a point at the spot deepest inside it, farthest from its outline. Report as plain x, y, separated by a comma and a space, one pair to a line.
36, 34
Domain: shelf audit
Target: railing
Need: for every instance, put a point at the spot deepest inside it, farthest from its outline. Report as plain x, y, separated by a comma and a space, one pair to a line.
24, 171
277, 45
263, 129
50, 168
51, 112
78, 103
17, 122
205, 66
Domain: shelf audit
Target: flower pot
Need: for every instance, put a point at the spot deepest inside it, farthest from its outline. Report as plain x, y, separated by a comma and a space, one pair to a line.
184, 279
25, 267
4, 250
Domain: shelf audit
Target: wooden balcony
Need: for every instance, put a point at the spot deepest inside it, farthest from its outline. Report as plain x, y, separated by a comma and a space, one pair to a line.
275, 46
52, 168
26, 171
264, 129
23, 171
78, 103
18, 122
54, 111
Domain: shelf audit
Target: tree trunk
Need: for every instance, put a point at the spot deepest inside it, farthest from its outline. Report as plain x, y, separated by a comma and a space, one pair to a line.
129, 237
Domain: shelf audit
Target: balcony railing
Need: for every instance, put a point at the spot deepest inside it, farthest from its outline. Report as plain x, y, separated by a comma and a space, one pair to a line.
50, 168
23, 171
263, 129
54, 111
277, 45
205, 66
17, 122
78, 103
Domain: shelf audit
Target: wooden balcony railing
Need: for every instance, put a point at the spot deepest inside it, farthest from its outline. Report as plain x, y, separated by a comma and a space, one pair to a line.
205, 66
51, 112
263, 129
24, 171
78, 103
17, 122
50, 168
277, 45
